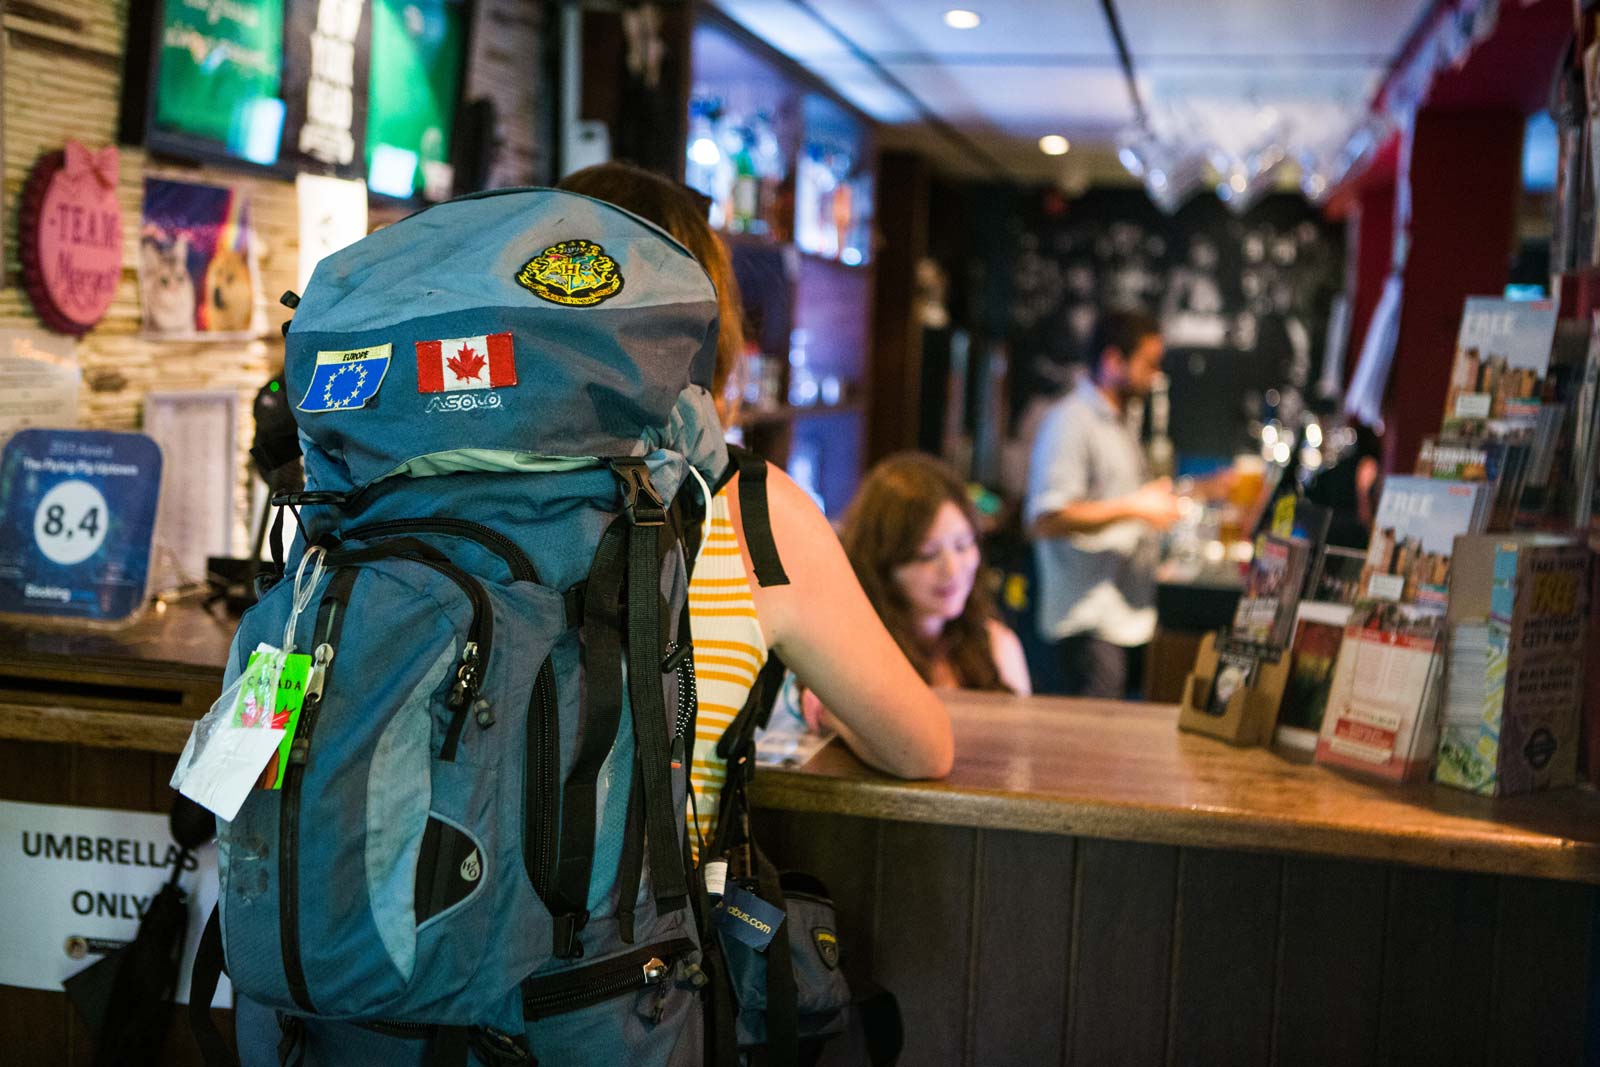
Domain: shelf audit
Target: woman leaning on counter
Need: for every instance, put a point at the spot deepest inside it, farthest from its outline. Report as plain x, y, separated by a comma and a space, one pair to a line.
821, 623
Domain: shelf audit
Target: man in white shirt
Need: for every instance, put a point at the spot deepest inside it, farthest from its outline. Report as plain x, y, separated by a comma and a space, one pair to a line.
1095, 517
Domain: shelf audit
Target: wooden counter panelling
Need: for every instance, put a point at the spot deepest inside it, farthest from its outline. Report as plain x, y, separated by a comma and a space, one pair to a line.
1009, 947
1103, 769
1090, 886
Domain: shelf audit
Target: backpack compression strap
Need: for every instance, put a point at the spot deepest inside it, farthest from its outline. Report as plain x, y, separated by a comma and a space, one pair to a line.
646, 645
626, 571
602, 713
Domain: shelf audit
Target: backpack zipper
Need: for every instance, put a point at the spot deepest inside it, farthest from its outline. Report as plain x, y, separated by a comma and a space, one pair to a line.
543, 735
542, 739
557, 994
330, 624
522, 568
474, 655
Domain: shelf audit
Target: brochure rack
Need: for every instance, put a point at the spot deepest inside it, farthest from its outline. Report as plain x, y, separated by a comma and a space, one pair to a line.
1250, 713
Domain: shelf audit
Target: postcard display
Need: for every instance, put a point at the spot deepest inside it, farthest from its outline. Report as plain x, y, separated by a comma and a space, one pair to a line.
1237, 685
1462, 656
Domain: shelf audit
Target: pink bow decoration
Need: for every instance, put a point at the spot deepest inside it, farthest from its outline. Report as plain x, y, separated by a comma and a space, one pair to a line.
83, 162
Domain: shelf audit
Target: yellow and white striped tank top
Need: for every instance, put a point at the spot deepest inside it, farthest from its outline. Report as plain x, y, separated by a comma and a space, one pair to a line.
729, 649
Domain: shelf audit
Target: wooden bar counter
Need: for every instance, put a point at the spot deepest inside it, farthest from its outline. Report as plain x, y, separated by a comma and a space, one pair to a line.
1088, 886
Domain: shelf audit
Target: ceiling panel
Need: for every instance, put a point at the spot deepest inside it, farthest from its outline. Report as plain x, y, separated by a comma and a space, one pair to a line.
913, 28
791, 30
1049, 66
1028, 101
786, 26
1267, 30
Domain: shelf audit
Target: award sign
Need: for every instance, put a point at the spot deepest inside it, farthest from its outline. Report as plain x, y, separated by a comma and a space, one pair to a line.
77, 520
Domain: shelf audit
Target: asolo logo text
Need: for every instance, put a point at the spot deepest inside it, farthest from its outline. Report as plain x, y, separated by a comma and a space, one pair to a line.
464, 402
749, 920
471, 867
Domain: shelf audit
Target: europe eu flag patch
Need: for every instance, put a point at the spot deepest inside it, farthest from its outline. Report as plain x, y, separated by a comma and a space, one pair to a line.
346, 379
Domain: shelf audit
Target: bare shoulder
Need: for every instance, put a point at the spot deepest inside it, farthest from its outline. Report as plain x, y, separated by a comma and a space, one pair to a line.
1003, 638
807, 547
796, 521
1009, 659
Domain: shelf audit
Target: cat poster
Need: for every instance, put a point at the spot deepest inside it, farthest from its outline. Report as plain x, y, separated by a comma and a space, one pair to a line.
197, 269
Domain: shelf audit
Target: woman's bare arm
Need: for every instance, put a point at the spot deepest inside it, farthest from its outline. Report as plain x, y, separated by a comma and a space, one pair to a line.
826, 630
1009, 659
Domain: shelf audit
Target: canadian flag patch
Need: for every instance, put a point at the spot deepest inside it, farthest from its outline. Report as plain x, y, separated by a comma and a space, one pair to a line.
483, 362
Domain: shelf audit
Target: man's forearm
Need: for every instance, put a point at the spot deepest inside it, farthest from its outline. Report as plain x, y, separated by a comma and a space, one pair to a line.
1084, 516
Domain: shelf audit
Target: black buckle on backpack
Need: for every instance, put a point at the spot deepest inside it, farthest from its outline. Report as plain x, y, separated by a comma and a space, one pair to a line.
640, 500
565, 929
308, 496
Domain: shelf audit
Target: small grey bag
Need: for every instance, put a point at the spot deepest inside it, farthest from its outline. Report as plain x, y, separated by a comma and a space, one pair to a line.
810, 939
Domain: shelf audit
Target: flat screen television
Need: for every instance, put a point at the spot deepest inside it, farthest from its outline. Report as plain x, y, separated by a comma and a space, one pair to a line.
246, 82
417, 57
212, 89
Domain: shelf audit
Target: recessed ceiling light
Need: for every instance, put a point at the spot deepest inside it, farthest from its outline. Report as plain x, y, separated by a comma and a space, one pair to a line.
959, 18
1053, 144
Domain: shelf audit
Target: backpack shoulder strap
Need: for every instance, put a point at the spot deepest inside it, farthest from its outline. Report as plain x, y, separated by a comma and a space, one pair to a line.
755, 516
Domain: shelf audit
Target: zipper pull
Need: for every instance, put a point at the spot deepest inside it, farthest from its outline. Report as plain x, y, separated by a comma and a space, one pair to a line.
319, 670
483, 713
655, 975
466, 684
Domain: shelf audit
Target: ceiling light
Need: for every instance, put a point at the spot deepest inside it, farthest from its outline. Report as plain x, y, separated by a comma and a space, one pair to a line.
959, 18
1053, 144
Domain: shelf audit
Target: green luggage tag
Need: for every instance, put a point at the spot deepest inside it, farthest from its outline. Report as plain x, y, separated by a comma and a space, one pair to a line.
286, 705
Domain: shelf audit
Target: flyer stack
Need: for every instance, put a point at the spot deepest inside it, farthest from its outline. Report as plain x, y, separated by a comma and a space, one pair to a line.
1381, 715
1515, 693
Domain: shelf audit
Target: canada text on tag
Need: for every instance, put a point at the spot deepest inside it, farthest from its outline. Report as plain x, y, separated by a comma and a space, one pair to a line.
747, 918
286, 715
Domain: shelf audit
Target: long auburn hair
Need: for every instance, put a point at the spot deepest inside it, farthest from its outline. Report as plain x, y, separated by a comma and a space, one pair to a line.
674, 208
883, 529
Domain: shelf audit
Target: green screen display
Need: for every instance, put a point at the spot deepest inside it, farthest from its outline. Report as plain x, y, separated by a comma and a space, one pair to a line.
416, 72
220, 71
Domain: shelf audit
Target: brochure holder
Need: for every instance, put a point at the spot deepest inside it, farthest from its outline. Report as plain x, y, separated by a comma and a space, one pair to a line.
1251, 712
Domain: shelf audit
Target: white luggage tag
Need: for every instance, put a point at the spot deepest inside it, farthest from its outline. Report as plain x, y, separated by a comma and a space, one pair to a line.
254, 719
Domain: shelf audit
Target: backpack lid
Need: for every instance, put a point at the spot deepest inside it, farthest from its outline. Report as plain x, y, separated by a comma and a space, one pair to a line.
528, 321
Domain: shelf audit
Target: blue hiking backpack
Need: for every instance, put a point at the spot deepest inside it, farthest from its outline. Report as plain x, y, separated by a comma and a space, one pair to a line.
479, 837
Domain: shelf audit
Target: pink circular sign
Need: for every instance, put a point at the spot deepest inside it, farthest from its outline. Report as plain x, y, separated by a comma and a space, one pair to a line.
72, 237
